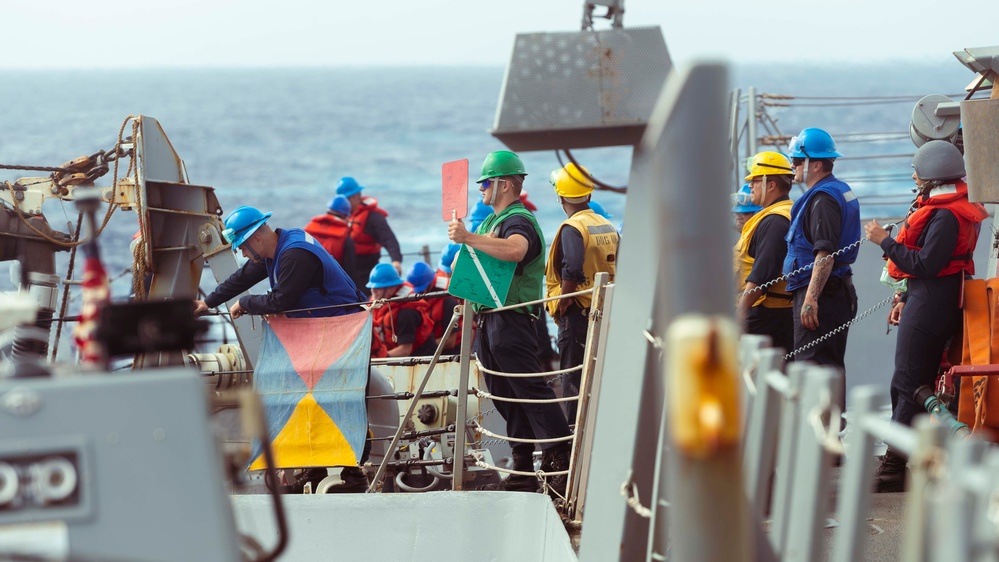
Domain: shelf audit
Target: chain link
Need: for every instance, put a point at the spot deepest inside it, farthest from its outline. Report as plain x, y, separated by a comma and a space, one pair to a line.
802, 269
808, 266
858, 318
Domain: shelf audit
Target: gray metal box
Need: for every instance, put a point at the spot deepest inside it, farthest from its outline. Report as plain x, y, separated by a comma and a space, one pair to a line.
581, 89
149, 483
980, 119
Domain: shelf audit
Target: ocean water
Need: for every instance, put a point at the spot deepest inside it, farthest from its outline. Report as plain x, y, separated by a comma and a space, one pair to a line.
279, 139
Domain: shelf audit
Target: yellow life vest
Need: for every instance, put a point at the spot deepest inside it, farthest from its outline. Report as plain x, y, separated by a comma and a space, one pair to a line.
600, 240
776, 295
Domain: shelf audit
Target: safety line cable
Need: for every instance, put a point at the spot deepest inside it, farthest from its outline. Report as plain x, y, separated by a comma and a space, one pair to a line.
516, 375
482, 394
478, 427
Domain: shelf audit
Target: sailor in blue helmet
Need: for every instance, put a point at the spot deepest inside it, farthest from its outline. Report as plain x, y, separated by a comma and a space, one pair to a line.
305, 280
424, 279
599, 209
447, 258
479, 214
370, 230
822, 241
742, 207
332, 230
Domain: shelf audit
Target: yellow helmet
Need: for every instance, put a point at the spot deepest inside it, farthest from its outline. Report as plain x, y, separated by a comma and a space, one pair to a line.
572, 181
769, 164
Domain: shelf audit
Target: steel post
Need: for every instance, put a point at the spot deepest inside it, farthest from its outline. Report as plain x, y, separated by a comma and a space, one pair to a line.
583, 444
929, 446
668, 266
786, 455
460, 423
760, 443
854, 495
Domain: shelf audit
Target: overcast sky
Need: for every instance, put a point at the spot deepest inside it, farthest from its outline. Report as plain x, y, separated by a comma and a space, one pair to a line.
43, 34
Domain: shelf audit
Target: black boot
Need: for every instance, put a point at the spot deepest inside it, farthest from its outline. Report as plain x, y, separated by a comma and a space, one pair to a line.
307, 475
890, 476
556, 459
523, 461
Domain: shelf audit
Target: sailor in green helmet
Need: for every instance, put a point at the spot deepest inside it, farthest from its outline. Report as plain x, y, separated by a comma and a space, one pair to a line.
507, 341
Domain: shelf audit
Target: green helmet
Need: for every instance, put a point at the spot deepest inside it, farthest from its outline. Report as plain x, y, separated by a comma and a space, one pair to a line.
501, 163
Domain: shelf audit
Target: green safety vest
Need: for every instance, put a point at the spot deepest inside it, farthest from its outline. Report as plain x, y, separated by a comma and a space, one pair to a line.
528, 285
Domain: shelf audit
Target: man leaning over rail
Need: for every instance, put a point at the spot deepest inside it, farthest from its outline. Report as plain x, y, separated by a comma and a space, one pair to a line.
507, 341
822, 242
933, 252
585, 244
305, 280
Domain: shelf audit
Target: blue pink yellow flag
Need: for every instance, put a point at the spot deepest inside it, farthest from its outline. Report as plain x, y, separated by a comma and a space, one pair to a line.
311, 377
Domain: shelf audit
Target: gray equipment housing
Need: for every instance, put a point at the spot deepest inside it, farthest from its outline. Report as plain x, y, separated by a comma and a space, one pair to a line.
581, 89
148, 477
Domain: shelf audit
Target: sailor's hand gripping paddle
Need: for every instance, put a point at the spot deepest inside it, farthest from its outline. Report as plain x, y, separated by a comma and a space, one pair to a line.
477, 277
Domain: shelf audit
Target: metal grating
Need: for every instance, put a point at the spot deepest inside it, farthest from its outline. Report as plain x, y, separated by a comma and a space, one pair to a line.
581, 89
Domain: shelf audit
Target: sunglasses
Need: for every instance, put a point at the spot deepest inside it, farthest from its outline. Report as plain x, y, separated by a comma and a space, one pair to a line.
486, 184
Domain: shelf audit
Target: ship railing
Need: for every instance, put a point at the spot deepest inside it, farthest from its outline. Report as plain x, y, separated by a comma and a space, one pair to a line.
792, 437
590, 373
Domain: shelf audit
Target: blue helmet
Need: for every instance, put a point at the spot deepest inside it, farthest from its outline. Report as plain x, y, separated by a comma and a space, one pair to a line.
599, 209
479, 214
742, 201
348, 186
813, 143
420, 276
383, 275
340, 205
241, 224
447, 257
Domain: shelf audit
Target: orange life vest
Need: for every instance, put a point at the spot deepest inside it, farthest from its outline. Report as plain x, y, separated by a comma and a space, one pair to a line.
331, 231
365, 244
384, 319
954, 198
436, 306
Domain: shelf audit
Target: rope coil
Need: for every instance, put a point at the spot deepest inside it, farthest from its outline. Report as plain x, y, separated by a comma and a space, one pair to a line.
629, 491
827, 436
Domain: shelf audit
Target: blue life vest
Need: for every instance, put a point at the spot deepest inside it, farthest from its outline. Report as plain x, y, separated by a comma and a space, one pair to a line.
337, 286
799, 249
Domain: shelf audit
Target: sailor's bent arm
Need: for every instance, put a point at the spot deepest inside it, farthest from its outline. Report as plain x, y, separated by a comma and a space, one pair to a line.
512, 249
820, 274
240, 281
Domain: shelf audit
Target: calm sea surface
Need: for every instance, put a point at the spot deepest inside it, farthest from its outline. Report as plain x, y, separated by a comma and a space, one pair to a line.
279, 139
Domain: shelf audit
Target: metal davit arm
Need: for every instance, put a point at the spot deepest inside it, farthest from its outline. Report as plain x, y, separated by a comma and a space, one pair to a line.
674, 208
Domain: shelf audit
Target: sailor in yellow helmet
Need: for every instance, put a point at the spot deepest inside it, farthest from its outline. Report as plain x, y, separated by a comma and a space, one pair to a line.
586, 244
761, 249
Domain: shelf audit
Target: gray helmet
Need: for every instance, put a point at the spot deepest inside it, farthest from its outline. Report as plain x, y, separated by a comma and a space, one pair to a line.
938, 160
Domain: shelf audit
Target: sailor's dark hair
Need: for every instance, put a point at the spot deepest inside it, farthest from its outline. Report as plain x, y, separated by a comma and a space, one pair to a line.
518, 183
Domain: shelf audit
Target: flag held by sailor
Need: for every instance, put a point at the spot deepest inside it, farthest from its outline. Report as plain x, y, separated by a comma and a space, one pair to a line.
311, 377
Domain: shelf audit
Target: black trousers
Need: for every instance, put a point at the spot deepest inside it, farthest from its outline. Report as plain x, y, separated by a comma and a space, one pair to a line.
931, 316
507, 342
774, 322
572, 330
837, 306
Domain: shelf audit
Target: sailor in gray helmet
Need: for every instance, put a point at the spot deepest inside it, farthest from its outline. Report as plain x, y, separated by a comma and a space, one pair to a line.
934, 253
